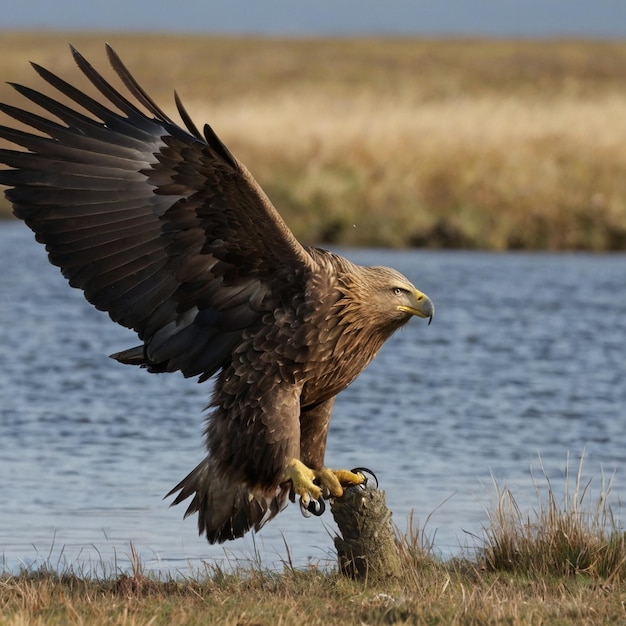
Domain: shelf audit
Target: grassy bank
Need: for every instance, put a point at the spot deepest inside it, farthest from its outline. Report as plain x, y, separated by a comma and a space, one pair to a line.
562, 563
399, 142
432, 595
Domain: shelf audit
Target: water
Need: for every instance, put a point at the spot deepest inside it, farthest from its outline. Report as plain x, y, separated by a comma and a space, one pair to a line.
525, 358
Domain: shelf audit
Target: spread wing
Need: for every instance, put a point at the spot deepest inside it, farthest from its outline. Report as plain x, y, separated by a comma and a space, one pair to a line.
160, 226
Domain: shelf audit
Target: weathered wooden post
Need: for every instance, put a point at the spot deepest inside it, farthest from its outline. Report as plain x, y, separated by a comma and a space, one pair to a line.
367, 548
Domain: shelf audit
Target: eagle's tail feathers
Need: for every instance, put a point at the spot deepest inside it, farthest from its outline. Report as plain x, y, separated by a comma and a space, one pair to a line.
227, 509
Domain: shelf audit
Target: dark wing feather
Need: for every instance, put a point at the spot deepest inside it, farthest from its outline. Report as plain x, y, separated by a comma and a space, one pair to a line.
159, 225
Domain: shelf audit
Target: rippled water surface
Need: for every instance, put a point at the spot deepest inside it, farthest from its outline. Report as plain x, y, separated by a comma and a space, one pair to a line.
526, 357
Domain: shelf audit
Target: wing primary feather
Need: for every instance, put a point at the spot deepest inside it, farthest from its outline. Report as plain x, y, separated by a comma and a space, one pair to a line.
132, 85
33, 120
97, 138
64, 113
108, 91
218, 146
20, 159
71, 153
139, 124
182, 111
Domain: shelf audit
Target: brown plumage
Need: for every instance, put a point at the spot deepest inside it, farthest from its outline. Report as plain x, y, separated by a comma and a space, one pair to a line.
167, 231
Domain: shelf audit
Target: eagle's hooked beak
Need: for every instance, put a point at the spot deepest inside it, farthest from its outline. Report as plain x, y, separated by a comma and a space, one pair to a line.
421, 305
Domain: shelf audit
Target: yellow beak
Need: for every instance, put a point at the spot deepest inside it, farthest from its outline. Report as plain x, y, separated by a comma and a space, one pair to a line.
421, 306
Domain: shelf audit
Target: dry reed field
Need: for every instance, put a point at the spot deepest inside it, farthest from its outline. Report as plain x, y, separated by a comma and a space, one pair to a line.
397, 142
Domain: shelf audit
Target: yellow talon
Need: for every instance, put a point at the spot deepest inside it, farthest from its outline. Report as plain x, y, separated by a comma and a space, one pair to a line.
302, 478
349, 479
331, 485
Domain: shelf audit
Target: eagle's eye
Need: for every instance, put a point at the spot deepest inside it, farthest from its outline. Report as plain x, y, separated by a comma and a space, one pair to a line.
398, 291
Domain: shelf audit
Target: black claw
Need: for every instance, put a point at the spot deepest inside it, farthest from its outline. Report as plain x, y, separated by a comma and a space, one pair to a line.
304, 509
317, 507
314, 507
364, 471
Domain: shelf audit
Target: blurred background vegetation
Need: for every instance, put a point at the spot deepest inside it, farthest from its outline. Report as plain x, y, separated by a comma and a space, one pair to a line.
485, 144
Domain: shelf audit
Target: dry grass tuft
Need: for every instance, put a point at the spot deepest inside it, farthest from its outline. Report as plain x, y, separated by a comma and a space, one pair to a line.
574, 536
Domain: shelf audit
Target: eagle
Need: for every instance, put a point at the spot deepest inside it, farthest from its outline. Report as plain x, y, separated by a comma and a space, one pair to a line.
164, 229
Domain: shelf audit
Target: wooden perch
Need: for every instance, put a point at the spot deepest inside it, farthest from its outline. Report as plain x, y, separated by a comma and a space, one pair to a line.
366, 546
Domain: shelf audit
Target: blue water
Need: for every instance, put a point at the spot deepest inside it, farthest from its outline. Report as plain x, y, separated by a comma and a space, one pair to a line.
523, 365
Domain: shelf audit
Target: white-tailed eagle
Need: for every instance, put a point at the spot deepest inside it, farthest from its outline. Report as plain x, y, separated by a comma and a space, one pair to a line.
163, 228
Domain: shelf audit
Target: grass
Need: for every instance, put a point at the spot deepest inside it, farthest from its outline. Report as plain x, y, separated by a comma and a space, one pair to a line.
558, 539
562, 563
399, 142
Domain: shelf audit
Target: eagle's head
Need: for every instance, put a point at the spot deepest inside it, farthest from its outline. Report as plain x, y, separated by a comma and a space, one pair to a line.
395, 299
382, 298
